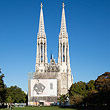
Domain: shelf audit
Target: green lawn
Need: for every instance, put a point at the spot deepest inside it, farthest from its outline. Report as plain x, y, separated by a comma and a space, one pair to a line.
39, 108
57, 108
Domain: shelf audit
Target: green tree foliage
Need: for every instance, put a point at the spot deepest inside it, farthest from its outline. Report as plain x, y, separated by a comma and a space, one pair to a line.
16, 95
102, 83
76, 99
79, 88
63, 99
9, 101
91, 85
100, 96
91, 88
77, 92
2, 88
12, 94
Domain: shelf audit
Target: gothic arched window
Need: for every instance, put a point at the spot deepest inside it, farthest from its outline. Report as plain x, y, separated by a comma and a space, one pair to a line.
66, 52
44, 51
41, 52
63, 48
63, 58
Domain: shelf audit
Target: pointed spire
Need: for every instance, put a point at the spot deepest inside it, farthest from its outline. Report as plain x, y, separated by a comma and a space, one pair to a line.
41, 23
63, 29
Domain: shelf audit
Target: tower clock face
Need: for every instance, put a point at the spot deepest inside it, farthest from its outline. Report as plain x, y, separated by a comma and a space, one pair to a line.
39, 88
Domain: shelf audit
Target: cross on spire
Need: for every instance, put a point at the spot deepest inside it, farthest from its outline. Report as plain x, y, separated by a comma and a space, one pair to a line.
41, 5
63, 5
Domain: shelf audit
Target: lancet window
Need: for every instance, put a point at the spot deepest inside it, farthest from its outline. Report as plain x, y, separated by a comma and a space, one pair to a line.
41, 52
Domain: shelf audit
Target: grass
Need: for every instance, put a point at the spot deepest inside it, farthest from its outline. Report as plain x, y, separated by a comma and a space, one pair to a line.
39, 108
57, 108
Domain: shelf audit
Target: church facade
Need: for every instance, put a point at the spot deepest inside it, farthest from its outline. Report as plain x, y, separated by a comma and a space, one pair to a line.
50, 80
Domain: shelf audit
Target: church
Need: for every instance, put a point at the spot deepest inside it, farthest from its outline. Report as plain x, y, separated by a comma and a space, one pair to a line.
50, 80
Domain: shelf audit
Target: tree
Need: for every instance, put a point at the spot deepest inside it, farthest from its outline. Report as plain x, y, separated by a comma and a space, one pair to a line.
16, 95
9, 101
2, 88
76, 99
102, 83
91, 85
101, 98
63, 99
79, 88
101, 95
77, 92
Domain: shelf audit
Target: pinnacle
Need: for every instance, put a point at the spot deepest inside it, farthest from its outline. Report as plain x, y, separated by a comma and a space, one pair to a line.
41, 23
63, 21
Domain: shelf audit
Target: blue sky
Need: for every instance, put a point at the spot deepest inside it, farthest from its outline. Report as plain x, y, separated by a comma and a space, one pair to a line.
88, 26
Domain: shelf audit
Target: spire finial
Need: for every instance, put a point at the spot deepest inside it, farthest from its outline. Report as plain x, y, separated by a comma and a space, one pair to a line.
41, 5
63, 21
41, 22
63, 5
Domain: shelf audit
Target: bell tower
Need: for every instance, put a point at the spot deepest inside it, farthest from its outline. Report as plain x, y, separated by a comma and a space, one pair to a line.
41, 57
63, 53
63, 50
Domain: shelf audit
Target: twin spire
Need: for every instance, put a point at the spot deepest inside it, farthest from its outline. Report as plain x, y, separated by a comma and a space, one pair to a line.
63, 52
63, 29
41, 23
63, 22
